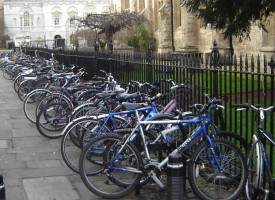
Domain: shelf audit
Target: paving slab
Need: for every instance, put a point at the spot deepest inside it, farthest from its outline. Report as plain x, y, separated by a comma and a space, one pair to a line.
46, 188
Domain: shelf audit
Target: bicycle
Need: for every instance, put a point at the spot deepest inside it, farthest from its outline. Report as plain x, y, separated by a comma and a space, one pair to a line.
260, 181
81, 130
216, 168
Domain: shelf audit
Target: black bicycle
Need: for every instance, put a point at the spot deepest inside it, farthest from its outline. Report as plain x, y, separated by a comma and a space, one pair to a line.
259, 183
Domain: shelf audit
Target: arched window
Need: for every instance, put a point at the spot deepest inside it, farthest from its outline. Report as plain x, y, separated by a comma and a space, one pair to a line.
56, 19
15, 22
56, 16
26, 19
39, 21
72, 14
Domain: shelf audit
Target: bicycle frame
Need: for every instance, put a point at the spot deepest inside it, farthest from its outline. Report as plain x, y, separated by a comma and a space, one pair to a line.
151, 109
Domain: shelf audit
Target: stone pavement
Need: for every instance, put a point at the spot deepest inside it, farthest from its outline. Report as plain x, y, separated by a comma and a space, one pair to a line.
32, 165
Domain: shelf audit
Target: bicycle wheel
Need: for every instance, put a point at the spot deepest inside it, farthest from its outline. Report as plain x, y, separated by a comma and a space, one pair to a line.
125, 166
259, 183
53, 98
19, 79
31, 101
88, 108
75, 135
25, 87
52, 120
235, 138
207, 181
7, 71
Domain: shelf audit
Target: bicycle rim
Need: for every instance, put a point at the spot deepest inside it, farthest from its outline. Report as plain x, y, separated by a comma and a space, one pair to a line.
75, 135
207, 181
258, 181
52, 120
111, 178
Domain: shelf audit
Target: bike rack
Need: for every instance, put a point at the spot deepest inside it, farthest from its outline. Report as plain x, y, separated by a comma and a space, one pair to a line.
176, 177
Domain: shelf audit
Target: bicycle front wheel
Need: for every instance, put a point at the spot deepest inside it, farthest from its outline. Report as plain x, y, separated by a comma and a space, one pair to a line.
31, 101
259, 181
110, 174
210, 181
75, 135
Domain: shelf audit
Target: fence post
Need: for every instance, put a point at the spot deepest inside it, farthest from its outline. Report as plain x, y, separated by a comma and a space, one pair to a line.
149, 58
215, 59
176, 174
2, 189
111, 47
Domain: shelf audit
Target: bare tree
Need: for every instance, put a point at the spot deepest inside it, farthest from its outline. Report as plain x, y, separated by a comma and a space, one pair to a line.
109, 24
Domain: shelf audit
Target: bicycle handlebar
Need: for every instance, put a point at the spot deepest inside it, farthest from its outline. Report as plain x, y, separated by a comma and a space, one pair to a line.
211, 102
169, 81
247, 106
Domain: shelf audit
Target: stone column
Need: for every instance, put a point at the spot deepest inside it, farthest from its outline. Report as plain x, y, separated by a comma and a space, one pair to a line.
189, 31
133, 5
165, 37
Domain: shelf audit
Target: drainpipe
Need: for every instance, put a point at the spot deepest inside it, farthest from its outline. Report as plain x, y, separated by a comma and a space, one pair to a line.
172, 25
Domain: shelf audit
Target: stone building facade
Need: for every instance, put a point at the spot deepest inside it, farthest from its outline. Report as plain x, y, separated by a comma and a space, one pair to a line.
40, 22
184, 32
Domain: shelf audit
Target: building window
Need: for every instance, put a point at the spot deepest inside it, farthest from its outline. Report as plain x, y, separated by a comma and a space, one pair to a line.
38, 21
56, 20
72, 20
15, 22
177, 14
26, 19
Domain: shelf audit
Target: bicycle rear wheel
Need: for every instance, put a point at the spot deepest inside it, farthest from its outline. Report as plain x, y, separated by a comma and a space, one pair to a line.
100, 175
235, 138
52, 120
207, 181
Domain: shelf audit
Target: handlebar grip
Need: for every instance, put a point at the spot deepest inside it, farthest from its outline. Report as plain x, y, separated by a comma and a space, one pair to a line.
216, 101
204, 108
243, 105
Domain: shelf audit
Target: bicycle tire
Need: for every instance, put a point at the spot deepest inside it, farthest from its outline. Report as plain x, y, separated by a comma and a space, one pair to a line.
6, 71
51, 121
222, 185
259, 183
31, 101
74, 135
235, 138
88, 108
98, 181
18, 80
53, 98
25, 87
